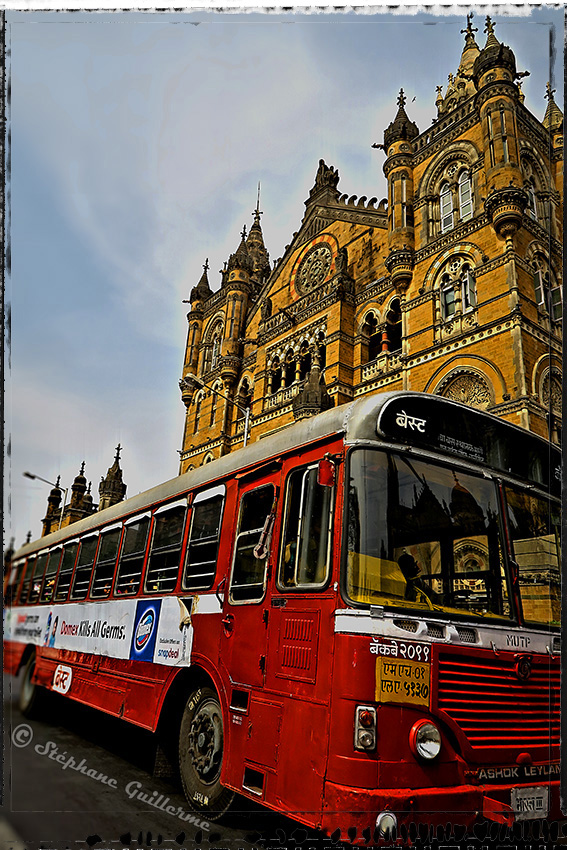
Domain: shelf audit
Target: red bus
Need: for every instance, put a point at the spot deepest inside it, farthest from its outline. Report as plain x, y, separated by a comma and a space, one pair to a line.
354, 621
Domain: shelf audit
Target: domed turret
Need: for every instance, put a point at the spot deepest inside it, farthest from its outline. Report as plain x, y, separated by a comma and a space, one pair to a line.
398, 168
202, 291
78, 488
53, 514
494, 56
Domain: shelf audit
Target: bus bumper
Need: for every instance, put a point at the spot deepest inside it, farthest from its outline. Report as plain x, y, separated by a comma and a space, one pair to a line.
353, 809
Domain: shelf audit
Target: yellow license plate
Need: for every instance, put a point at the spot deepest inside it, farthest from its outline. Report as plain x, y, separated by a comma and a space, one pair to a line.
402, 681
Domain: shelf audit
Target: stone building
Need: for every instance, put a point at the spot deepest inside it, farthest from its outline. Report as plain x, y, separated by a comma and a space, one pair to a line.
111, 491
451, 285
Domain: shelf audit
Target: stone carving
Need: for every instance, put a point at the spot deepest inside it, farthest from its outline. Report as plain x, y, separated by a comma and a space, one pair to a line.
556, 393
266, 308
314, 267
326, 175
341, 261
469, 389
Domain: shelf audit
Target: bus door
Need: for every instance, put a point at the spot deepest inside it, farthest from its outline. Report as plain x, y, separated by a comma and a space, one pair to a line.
244, 622
301, 604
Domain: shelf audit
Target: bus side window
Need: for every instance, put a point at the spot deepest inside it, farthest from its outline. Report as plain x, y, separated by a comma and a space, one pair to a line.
23, 595
14, 582
50, 573
203, 545
85, 562
305, 555
132, 556
36, 577
65, 571
249, 572
165, 551
105, 562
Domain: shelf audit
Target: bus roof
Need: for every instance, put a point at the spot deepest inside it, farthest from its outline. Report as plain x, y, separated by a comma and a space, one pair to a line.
371, 418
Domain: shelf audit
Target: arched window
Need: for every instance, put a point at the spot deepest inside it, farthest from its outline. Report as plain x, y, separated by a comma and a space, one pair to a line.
468, 288
244, 399
214, 404
447, 297
216, 347
446, 206
321, 350
304, 360
198, 405
548, 293
457, 289
394, 325
465, 196
276, 375
404, 222
289, 368
370, 330
531, 208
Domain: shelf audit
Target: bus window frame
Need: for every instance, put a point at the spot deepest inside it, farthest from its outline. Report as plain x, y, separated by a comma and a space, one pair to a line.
29, 563
15, 579
447, 462
51, 551
130, 521
177, 503
305, 588
117, 526
241, 496
69, 542
528, 487
197, 499
86, 536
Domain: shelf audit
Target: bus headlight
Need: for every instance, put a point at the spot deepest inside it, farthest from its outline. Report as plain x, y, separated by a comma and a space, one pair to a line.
425, 739
365, 728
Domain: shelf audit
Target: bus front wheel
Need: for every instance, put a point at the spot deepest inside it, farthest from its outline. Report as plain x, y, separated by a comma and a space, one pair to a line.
201, 742
31, 695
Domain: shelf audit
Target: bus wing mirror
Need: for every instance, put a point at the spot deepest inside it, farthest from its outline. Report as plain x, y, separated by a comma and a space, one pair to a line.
326, 472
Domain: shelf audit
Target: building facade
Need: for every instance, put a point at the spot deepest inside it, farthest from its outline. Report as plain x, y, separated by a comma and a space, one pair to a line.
450, 285
111, 490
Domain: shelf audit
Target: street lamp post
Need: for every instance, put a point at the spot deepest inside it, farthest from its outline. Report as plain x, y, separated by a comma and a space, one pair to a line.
245, 410
56, 486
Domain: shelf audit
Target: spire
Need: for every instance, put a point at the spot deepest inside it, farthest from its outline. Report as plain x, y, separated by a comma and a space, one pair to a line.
256, 248
78, 488
401, 127
491, 40
469, 33
112, 489
241, 258
202, 291
553, 116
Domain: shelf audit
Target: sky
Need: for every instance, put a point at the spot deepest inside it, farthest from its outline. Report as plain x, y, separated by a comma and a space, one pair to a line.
137, 141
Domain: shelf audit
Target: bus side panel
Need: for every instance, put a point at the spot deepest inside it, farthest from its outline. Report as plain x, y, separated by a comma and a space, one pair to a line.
130, 689
13, 654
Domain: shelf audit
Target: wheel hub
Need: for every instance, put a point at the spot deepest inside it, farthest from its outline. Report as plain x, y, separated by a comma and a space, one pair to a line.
205, 741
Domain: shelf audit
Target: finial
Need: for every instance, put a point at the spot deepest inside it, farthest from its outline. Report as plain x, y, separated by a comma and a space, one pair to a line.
243, 234
257, 212
28, 537
451, 79
82, 470
549, 92
57, 482
119, 447
489, 28
402, 100
439, 89
89, 487
206, 266
470, 29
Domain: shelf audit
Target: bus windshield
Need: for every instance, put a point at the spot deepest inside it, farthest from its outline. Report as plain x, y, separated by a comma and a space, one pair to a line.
423, 536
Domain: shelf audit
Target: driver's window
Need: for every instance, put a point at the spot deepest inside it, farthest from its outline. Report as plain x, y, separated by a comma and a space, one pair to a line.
305, 555
253, 537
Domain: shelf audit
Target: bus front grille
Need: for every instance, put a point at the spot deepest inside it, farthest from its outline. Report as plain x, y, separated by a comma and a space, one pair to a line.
493, 707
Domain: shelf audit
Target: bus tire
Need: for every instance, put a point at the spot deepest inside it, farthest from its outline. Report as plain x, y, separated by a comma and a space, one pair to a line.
32, 696
201, 745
